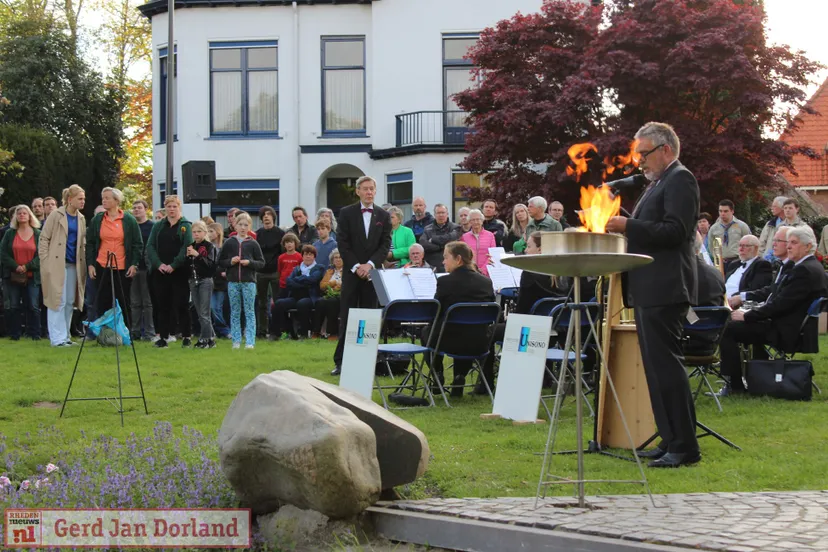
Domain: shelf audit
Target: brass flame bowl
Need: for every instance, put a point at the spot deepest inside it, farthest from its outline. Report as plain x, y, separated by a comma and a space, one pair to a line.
580, 254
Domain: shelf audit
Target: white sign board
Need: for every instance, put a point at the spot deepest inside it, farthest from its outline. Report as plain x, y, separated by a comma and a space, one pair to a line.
522, 363
360, 356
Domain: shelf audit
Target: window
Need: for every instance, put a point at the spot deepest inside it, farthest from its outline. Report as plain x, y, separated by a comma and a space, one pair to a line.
460, 181
400, 188
457, 77
244, 88
162, 92
343, 86
162, 191
247, 195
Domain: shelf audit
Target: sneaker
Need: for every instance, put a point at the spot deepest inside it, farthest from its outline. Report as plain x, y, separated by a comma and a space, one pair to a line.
249, 346
186, 342
160, 343
211, 344
201, 344
64, 344
70, 343
237, 345
155, 338
171, 339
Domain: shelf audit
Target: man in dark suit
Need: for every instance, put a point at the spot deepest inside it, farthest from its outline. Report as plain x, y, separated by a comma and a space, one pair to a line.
751, 272
779, 250
663, 226
778, 321
363, 235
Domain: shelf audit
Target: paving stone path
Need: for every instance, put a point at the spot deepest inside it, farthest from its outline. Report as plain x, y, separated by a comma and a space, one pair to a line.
734, 522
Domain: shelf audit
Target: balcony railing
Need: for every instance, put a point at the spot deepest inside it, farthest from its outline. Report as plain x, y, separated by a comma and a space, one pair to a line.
447, 128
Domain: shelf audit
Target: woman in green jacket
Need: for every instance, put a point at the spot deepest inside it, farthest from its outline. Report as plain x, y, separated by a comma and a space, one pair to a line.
21, 272
113, 237
402, 237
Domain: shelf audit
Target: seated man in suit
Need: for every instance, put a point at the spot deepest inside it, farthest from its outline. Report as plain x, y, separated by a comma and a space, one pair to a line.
778, 321
752, 272
463, 284
780, 265
711, 293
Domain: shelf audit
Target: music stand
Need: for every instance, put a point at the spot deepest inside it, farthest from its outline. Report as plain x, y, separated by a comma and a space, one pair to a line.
111, 266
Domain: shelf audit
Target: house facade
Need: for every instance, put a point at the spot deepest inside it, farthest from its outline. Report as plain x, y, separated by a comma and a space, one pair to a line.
295, 100
812, 174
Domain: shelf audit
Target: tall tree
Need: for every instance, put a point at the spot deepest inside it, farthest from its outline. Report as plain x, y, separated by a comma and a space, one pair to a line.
556, 78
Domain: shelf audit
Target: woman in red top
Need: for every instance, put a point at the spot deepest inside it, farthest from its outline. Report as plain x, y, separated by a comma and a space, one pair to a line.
21, 272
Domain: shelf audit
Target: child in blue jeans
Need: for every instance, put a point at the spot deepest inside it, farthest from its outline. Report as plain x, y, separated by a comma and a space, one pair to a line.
241, 257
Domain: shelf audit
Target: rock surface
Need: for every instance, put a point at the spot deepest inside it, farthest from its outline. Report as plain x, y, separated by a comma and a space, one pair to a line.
284, 442
402, 449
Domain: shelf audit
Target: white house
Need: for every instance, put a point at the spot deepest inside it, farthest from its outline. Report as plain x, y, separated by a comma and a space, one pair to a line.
294, 100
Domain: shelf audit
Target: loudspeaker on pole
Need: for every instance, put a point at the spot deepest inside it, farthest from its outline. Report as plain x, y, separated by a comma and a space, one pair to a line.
199, 180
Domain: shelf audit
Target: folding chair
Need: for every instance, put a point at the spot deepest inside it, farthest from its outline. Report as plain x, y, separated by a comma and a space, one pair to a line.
468, 314
808, 341
508, 299
701, 347
422, 311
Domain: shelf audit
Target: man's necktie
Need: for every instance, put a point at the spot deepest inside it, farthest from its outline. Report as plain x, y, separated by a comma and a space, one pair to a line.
367, 210
644, 196
743, 265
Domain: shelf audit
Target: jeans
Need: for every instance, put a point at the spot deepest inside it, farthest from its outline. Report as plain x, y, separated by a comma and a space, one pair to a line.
242, 296
217, 309
265, 282
24, 299
202, 292
61, 319
141, 303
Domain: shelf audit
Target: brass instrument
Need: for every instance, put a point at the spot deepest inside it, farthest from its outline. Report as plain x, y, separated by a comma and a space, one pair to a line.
718, 262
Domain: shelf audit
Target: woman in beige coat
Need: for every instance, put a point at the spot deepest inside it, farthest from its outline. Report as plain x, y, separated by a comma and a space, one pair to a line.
62, 268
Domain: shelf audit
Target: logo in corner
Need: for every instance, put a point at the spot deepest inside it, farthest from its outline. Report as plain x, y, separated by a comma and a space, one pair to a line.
361, 332
23, 528
524, 339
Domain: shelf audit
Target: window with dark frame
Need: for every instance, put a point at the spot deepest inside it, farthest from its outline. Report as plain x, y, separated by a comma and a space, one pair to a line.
162, 92
457, 75
244, 88
400, 191
343, 86
460, 182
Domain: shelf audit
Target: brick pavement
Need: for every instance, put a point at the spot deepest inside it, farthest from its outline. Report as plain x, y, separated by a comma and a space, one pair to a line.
733, 522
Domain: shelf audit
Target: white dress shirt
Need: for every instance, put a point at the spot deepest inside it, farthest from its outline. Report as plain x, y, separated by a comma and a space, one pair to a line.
366, 222
732, 284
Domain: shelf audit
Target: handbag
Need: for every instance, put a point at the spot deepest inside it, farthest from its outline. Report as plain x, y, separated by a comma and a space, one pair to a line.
782, 379
19, 278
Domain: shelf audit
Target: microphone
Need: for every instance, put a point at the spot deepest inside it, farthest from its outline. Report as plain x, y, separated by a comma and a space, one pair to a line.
633, 181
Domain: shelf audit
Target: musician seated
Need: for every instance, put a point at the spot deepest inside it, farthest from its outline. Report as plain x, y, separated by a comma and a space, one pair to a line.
751, 272
533, 288
416, 256
780, 264
778, 321
463, 284
711, 291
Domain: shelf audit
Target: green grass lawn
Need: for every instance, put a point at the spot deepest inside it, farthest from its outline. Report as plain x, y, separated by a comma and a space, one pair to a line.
784, 444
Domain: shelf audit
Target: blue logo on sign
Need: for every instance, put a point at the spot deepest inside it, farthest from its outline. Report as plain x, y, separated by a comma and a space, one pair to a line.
361, 332
524, 339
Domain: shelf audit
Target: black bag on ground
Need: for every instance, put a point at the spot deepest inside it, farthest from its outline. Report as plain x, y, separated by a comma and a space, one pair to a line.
399, 364
782, 379
408, 400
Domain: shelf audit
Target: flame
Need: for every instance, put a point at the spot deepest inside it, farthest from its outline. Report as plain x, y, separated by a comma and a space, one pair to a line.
577, 154
597, 207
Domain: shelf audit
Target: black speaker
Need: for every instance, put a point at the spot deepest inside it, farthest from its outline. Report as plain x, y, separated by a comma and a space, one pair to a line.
199, 179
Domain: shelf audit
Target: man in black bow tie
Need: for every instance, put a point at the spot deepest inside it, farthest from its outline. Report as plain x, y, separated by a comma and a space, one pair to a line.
751, 272
363, 235
778, 321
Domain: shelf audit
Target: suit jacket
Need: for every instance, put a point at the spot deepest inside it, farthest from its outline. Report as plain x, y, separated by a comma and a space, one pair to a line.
354, 246
787, 307
664, 227
761, 295
711, 288
462, 285
758, 275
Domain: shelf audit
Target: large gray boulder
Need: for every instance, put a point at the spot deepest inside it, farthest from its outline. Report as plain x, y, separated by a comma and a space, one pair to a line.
285, 442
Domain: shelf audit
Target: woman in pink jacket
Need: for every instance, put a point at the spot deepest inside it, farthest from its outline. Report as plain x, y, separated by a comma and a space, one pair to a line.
480, 240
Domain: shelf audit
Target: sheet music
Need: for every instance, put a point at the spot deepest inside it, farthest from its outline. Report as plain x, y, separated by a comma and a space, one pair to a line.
396, 283
516, 272
423, 282
497, 253
501, 276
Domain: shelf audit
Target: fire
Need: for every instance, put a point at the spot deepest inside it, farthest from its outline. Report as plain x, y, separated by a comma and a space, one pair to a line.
597, 204
597, 207
577, 154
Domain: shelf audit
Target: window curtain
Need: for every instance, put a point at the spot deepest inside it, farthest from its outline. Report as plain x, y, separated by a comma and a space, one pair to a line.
457, 80
263, 101
345, 100
227, 102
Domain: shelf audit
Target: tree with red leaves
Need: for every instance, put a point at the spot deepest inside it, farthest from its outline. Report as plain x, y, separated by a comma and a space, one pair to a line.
564, 76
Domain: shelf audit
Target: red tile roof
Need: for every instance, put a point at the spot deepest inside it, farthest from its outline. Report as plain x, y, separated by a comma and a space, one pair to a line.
812, 132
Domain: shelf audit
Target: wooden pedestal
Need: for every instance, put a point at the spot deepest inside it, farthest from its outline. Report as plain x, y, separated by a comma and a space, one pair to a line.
623, 356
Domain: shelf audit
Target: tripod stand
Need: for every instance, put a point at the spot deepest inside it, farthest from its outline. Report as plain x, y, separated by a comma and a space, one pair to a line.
111, 267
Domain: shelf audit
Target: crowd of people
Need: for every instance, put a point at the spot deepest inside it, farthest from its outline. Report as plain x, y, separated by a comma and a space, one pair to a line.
180, 280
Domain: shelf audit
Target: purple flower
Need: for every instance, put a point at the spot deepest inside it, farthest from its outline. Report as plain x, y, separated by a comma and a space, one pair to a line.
25, 485
50, 468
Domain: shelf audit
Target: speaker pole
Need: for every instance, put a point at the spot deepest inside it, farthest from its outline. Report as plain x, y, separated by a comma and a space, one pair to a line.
170, 96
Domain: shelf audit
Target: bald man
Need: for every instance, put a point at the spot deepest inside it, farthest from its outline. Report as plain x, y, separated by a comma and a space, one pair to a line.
752, 272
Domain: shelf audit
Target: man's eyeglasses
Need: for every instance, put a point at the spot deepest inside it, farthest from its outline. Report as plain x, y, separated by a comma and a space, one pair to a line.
780, 241
647, 153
